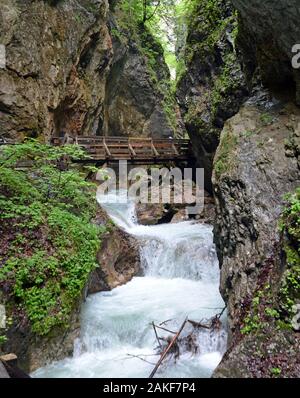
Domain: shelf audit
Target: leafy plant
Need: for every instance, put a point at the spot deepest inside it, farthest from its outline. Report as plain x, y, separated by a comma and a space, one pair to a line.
48, 242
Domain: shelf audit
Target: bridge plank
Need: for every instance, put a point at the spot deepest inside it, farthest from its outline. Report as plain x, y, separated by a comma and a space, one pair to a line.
138, 149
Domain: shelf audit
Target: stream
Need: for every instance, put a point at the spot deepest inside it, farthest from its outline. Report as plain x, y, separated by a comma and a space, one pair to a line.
180, 279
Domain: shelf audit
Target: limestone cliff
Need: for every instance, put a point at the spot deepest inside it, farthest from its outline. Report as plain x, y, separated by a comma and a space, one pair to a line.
137, 101
213, 85
268, 30
71, 68
255, 165
58, 55
239, 94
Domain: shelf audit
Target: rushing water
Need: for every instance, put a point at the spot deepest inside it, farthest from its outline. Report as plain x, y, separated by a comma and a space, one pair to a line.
181, 278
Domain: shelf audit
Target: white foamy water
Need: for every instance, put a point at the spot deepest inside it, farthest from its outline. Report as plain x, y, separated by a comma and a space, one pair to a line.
181, 279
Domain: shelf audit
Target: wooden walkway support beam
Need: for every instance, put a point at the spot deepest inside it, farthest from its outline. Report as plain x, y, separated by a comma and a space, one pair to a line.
141, 150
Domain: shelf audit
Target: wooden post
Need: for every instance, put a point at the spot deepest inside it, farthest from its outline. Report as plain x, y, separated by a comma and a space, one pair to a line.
132, 151
153, 148
106, 148
175, 149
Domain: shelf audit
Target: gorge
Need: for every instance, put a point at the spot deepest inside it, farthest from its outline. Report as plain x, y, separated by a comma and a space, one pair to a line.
80, 284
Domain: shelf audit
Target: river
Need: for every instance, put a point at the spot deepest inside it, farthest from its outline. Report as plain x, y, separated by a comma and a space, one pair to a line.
180, 279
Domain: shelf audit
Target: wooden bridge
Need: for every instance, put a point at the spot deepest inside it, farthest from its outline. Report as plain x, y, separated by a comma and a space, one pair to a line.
135, 150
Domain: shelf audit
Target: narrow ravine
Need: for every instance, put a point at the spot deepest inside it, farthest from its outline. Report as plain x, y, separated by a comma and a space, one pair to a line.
181, 278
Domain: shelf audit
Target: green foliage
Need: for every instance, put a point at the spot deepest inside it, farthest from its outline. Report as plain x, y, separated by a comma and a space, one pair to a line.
290, 227
46, 208
251, 324
276, 371
261, 312
3, 339
266, 119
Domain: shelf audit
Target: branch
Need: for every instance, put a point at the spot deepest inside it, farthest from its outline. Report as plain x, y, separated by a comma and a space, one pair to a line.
142, 359
164, 354
156, 335
154, 12
166, 330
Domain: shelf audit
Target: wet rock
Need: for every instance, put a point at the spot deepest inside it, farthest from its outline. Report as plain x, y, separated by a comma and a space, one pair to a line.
267, 32
34, 351
150, 214
252, 173
135, 99
275, 351
118, 258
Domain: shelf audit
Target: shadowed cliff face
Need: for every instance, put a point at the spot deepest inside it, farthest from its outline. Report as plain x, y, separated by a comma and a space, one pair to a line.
239, 96
268, 31
67, 72
135, 91
213, 86
57, 62
256, 165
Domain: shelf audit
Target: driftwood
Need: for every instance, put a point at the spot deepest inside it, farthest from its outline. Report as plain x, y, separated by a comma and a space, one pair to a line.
156, 335
198, 324
174, 342
164, 354
166, 330
213, 324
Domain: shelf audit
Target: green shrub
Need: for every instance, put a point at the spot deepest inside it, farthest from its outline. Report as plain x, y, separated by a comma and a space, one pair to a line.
48, 242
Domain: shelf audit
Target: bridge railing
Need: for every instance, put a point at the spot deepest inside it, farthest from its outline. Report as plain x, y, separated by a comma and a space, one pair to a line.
100, 147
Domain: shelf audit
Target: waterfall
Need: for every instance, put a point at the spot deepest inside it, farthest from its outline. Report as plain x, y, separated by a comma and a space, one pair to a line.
181, 279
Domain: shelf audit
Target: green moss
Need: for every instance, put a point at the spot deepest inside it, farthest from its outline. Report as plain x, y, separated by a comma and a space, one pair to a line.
45, 213
261, 312
152, 49
266, 119
276, 305
225, 156
276, 371
209, 22
118, 34
290, 227
224, 85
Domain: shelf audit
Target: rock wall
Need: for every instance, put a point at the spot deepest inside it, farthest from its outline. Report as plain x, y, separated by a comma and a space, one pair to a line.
267, 32
256, 164
136, 97
213, 85
70, 68
239, 94
118, 258
58, 55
